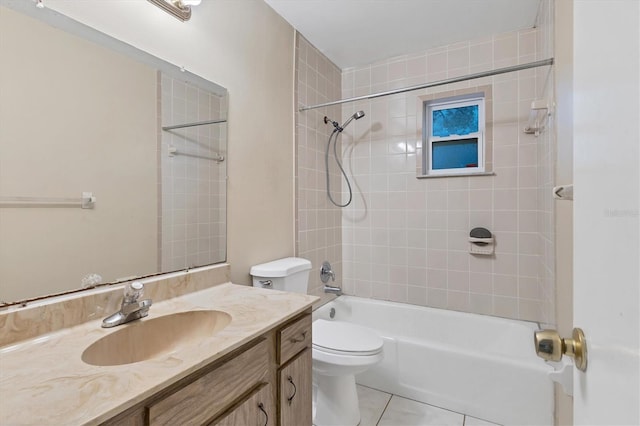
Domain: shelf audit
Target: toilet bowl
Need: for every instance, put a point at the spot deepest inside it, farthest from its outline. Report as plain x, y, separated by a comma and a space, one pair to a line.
340, 350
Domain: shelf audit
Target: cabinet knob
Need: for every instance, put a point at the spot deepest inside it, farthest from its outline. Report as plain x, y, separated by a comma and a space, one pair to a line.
550, 346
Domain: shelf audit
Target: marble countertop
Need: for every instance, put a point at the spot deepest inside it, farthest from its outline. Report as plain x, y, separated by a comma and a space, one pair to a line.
44, 381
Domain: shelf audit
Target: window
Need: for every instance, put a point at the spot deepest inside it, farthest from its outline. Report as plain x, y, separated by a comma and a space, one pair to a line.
453, 136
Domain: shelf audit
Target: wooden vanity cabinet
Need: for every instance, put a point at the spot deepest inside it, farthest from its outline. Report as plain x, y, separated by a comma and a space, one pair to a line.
266, 382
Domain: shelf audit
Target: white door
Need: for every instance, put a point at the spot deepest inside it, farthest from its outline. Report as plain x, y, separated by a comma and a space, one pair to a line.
606, 209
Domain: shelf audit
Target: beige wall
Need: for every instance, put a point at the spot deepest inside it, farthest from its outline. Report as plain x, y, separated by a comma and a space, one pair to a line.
65, 143
247, 48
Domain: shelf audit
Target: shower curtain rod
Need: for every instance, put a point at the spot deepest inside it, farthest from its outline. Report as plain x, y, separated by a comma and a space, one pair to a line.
505, 70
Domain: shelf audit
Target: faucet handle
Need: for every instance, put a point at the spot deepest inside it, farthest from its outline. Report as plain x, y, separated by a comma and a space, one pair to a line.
133, 291
326, 272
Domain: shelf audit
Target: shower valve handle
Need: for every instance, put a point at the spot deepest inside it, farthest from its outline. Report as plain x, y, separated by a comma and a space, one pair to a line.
326, 272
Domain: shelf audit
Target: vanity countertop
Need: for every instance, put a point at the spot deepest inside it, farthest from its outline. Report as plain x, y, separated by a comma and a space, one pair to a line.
44, 380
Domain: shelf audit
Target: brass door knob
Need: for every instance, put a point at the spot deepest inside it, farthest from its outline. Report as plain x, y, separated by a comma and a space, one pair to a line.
550, 346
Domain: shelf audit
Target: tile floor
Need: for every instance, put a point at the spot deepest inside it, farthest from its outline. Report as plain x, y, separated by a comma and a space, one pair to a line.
379, 408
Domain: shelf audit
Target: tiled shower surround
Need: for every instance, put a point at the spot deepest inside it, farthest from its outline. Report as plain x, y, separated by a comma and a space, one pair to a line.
545, 89
318, 222
192, 184
406, 239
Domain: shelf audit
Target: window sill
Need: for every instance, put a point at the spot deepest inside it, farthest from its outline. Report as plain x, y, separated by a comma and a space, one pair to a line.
456, 175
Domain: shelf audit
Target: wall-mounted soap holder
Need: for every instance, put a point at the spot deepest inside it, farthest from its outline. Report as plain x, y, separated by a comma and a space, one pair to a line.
540, 111
481, 241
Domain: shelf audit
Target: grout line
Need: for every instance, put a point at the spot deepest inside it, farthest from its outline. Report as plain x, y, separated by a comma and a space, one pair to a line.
385, 408
391, 395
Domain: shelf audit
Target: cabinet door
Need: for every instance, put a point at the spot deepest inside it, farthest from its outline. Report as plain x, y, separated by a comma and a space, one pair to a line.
257, 410
295, 391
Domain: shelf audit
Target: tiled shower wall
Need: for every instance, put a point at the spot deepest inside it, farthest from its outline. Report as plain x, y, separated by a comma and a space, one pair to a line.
405, 239
192, 183
318, 222
545, 89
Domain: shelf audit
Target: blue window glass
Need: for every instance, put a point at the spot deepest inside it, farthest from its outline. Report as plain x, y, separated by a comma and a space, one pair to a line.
456, 154
455, 121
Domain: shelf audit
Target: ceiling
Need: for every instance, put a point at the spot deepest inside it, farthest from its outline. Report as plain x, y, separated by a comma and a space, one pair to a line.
358, 32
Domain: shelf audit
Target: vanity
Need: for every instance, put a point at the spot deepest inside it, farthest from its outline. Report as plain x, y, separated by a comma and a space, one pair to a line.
253, 368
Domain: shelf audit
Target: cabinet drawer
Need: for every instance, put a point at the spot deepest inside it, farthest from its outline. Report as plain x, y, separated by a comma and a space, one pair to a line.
204, 398
257, 410
294, 338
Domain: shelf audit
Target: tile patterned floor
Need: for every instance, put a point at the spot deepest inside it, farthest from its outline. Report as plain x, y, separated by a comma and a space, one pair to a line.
379, 408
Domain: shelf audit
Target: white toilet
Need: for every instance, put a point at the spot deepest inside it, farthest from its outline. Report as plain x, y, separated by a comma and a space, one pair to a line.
340, 350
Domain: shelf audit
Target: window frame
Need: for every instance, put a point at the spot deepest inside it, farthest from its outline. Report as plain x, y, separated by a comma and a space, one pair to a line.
428, 139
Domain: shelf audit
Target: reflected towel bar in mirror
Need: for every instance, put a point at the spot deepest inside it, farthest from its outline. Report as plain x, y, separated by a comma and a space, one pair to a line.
86, 201
173, 151
198, 123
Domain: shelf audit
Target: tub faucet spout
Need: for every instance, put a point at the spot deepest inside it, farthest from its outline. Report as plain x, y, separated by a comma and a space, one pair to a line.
333, 290
132, 307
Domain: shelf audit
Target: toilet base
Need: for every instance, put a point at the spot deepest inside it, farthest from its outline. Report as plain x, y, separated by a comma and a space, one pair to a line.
336, 401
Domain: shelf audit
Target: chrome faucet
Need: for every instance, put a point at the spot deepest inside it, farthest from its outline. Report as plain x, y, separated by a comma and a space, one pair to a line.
325, 273
333, 290
132, 307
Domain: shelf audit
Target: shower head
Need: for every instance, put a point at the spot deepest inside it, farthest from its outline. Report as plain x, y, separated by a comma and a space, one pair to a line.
357, 115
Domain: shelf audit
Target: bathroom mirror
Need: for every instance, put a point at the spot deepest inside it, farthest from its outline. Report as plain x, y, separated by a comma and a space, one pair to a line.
100, 179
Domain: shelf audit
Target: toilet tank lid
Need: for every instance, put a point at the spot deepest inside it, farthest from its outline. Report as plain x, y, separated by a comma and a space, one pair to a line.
280, 267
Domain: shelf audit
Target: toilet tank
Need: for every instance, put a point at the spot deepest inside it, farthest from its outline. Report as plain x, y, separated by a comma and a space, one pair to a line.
288, 274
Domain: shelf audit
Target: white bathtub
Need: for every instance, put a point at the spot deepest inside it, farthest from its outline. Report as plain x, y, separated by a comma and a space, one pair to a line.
478, 365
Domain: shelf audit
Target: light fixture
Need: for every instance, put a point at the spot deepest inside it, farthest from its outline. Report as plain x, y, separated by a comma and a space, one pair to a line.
39, 4
181, 9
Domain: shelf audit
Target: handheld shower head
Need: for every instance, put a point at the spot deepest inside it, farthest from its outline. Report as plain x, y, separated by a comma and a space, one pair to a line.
357, 115
334, 135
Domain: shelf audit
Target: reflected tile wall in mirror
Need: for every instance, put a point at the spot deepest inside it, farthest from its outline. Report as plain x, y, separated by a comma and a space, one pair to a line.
193, 177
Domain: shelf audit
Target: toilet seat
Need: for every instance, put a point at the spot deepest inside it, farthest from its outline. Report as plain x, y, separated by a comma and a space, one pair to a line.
343, 338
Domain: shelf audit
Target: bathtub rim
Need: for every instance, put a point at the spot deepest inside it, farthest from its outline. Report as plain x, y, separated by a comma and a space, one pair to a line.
318, 310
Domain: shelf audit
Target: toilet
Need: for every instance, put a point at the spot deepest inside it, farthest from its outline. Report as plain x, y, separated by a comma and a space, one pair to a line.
340, 350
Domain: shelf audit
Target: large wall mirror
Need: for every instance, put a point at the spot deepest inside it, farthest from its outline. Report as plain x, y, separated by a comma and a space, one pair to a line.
112, 162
